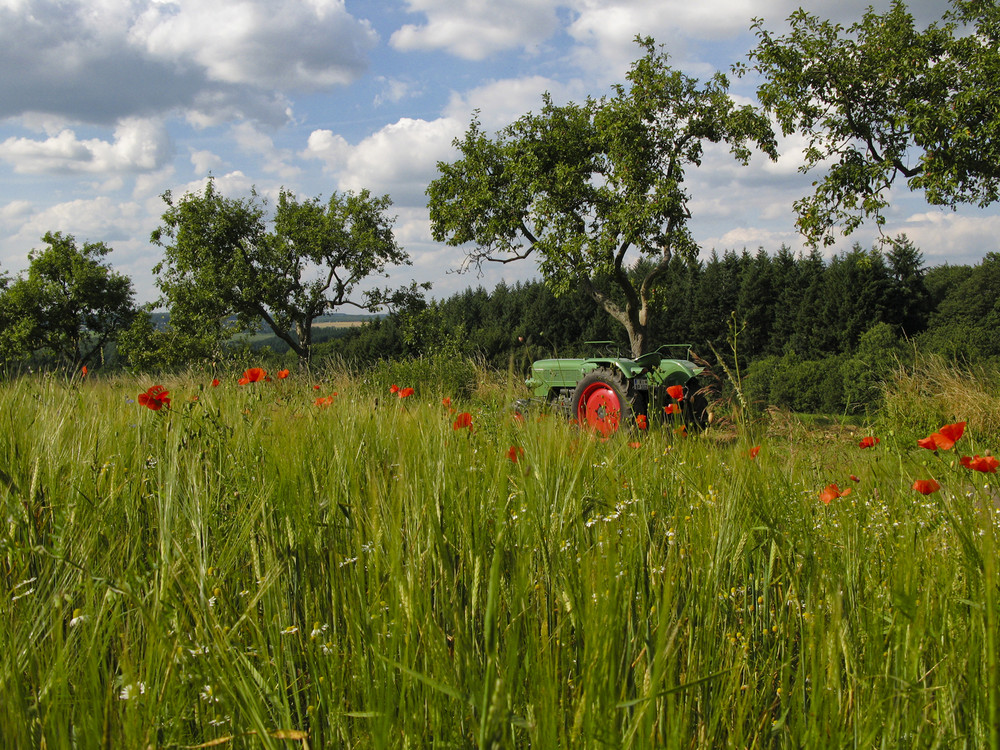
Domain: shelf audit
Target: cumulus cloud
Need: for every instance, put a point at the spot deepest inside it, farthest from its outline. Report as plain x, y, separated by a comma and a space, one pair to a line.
253, 141
231, 184
98, 219
502, 102
205, 161
477, 29
400, 159
946, 236
328, 147
15, 213
139, 145
280, 44
99, 61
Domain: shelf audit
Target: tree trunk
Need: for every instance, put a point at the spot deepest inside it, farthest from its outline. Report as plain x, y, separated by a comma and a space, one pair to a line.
637, 341
635, 324
632, 318
304, 333
295, 346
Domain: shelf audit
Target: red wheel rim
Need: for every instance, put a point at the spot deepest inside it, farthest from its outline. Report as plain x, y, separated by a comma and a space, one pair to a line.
599, 408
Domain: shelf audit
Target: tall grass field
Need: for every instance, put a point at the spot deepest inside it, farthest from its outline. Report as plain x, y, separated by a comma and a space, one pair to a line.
322, 561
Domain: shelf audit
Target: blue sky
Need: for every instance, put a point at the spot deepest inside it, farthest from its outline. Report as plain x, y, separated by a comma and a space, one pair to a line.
105, 104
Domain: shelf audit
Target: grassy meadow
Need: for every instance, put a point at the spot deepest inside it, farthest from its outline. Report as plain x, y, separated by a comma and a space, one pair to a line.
317, 562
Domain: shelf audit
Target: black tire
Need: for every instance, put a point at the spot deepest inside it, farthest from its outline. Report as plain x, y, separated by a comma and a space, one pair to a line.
604, 401
693, 404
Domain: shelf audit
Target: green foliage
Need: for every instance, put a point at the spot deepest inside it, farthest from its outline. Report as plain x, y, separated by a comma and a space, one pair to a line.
580, 186
146, 348
882, 99
879, 354
251, 568
967, 318
222, 267
837, 384
67, 306
811, 385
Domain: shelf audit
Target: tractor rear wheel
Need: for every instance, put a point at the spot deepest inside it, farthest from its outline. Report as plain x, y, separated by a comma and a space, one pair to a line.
603, 401
693, 405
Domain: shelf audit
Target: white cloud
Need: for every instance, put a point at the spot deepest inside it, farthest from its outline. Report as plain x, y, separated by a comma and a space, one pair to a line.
393, 91
231, 184
15, 213
264, 44
400, 159
152, 183
750, 238
328, 147
477, 29
89, 220
502, 102
253, 141
139, 145
611, 22
205, 161
946, 236
99, 61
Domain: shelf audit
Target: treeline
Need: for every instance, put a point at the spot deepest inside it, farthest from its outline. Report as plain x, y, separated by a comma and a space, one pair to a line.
802, 331
808, 333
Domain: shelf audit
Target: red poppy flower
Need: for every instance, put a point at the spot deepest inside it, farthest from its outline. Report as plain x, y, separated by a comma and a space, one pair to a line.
641, 422
671, 409
282, 374
944, 439
446, 401
854, 478
215, 382
325, 400
463, 420
254, 375
675, 392
316, 387
868, 442
635, 444
83, 371
515, 452
985, 464
394, 389
155, 398
754, 451
832, 492
681, 431
405, 392
926, 486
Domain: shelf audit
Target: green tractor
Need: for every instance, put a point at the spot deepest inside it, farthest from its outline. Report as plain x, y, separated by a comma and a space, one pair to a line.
608, 392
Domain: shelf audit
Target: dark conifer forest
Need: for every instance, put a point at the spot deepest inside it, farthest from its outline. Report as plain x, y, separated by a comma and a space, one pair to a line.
808, 333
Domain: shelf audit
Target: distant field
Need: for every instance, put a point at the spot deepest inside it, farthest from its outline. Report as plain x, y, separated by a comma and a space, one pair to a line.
315, 561
340, 324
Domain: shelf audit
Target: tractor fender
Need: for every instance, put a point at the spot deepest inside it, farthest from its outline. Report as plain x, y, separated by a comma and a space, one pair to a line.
676, 372
628, 368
